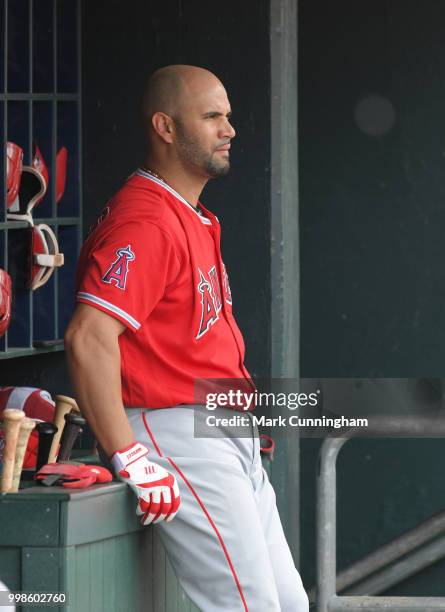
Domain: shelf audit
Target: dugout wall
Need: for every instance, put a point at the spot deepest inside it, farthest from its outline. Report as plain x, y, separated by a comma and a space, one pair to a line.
371, 148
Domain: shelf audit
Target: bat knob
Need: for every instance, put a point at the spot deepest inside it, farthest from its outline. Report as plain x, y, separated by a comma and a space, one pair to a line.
46, 433
75, 419
46, 428
13, 414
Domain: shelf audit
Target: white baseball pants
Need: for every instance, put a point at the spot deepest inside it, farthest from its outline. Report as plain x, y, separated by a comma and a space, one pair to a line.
226, 544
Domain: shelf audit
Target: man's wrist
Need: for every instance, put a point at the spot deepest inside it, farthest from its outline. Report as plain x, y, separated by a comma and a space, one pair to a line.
128, 455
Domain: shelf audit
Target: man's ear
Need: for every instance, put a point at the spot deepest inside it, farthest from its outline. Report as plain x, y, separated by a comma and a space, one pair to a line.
163, 126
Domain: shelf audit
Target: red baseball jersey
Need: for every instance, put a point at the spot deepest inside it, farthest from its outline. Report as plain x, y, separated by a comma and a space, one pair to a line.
154, 263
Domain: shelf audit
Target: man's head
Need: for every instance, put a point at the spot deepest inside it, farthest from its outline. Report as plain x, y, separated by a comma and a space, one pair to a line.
186, 114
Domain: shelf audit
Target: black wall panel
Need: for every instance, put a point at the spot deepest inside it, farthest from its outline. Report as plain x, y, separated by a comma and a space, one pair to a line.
47, 371
373, 206
372, 162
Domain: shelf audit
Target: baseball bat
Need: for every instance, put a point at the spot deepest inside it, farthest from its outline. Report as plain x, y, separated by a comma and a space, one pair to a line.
73, 427
46, 435
11, 427
26, 426
63, 405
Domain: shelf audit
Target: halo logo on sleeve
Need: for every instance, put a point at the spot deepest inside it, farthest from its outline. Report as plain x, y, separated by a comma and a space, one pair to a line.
117, 272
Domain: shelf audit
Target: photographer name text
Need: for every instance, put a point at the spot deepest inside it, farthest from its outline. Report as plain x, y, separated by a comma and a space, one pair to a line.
242, 420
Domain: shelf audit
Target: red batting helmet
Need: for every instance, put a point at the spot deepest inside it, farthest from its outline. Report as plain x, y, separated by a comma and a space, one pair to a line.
5, 301
14, 164
32, 187
61, 164
36, 404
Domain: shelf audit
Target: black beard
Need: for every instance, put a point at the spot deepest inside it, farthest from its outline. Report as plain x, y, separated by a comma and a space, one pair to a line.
194, 155
215, 170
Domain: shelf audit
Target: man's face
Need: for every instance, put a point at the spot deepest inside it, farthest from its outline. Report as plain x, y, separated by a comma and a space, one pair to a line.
203, 131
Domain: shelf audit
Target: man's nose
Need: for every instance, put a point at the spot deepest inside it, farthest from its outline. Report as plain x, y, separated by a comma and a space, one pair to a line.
228, 131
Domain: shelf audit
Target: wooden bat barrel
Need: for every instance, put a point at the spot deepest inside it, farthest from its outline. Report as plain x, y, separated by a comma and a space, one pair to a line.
11, 428
26, 426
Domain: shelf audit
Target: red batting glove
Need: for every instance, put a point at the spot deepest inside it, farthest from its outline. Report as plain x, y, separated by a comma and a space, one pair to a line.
156, 489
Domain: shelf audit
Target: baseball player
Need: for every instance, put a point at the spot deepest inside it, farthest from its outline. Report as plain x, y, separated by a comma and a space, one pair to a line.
153, 314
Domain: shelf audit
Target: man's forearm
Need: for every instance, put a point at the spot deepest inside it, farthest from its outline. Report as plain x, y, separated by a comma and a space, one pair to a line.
94, 366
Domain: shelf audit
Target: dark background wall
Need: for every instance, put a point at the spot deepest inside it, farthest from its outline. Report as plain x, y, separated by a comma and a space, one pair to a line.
47, 371
372, 161
122, 45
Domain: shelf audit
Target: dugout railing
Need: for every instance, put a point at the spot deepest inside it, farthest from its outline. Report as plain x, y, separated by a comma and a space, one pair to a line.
421, 545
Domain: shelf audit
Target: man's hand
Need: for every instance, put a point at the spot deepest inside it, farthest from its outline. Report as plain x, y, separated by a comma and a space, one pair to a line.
156, 489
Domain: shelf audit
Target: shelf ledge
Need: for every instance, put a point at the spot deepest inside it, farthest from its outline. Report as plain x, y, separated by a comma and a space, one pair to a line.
12, 353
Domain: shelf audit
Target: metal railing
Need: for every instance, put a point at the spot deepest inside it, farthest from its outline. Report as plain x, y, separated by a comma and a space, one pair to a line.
327, 583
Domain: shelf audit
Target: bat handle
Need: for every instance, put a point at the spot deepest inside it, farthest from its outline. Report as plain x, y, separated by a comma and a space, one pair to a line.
46, 435
73, 427
65, 399
64, 405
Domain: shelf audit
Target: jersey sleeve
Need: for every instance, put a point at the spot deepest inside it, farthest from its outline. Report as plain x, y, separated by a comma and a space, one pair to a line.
127, 273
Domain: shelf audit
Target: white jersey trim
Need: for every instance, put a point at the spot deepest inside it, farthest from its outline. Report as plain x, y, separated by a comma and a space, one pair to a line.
148, 176
111, 307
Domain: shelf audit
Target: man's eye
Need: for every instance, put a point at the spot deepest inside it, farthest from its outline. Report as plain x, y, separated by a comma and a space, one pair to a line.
218, 116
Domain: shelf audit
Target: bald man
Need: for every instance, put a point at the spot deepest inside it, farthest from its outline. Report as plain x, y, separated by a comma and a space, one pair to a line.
153, 315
